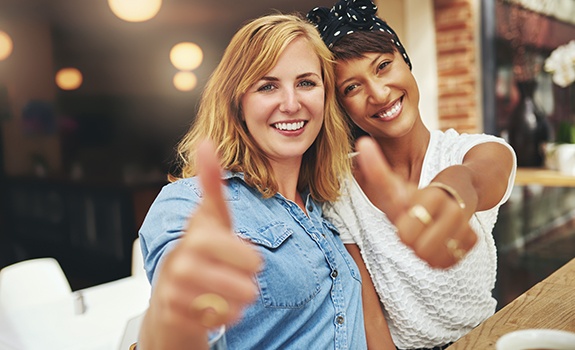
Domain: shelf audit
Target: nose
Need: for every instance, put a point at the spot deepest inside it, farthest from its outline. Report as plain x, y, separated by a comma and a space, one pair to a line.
289, 103
378, 92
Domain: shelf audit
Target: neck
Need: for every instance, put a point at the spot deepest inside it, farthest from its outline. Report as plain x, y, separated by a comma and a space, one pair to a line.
287, 176
405, 154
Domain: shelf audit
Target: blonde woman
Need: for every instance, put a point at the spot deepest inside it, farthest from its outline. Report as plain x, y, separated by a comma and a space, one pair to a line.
270, 111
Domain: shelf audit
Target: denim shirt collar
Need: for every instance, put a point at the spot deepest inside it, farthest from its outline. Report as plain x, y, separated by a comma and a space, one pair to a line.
306, 195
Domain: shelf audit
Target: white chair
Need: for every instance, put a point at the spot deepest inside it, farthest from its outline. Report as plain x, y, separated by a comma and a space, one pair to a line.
131, 332
137, 259
32, 282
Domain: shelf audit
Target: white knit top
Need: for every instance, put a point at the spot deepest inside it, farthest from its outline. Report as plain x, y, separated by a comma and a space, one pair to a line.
424, 307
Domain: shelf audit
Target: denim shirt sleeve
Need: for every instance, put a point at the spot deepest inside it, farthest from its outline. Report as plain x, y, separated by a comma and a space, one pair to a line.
166, 221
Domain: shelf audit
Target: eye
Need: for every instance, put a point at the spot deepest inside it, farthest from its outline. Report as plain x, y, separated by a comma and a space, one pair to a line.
383, 65
348, 89
308, 83
266, 87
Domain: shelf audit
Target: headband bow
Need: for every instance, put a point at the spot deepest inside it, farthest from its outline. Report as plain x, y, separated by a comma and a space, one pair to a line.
348, 16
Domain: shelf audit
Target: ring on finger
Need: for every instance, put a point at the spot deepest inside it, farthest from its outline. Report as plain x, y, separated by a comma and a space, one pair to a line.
212, 307
454, 249
419, 212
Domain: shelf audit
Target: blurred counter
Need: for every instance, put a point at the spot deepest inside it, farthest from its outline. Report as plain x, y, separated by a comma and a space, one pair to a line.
542, 176
535, 231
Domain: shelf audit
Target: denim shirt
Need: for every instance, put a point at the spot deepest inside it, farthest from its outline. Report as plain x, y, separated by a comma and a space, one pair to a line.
309, 286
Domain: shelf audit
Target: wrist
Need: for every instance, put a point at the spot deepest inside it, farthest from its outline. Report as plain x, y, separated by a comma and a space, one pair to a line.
450, 191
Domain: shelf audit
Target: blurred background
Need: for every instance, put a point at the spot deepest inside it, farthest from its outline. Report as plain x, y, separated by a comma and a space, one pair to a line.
92, 103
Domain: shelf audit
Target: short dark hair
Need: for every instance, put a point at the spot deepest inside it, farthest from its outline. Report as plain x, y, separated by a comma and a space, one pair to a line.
357, 44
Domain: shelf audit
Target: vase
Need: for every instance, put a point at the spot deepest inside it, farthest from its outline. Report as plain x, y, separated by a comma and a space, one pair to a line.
529, 128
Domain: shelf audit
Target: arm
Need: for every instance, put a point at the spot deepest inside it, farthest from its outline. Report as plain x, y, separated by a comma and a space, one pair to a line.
208, 259
483, 178
376, 329
442, 234
480, 183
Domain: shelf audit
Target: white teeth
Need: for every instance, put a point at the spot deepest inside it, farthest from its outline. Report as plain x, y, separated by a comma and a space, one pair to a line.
390, 112
289, 126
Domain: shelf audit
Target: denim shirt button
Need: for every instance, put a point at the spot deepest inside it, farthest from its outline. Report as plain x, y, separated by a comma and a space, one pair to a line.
339, 319
334, 274
310, 208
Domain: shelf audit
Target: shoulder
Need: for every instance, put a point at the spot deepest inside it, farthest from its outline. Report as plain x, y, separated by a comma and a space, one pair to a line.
190, 189
451, 136
451, 143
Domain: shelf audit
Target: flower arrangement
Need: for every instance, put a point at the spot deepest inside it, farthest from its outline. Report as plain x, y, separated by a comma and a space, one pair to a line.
561, 64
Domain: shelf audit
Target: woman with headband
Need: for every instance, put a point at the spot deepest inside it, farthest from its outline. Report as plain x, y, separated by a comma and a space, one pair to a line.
430, 252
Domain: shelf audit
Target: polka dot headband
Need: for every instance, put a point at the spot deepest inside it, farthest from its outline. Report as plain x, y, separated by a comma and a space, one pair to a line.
348, 16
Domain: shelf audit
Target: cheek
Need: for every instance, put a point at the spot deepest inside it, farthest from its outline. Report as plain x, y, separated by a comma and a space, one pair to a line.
356, 121
351, 106
315, 104
254, 110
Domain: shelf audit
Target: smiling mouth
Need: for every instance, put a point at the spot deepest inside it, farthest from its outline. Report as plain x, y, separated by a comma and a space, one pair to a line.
390, 112
289, 126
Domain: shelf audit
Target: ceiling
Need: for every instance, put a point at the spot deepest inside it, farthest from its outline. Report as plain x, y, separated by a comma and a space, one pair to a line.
91, 22
86, 34
126, 68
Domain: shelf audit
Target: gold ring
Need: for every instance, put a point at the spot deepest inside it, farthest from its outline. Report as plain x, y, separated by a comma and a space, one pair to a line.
454, 250
419, 212
213, 308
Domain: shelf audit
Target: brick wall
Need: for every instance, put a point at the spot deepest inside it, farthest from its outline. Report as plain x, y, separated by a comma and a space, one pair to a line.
457, 54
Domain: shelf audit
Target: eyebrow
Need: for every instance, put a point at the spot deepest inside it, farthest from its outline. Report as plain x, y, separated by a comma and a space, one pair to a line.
304, 75
373, 62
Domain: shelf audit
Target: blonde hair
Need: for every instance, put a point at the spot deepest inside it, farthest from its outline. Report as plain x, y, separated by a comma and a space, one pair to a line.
252, 53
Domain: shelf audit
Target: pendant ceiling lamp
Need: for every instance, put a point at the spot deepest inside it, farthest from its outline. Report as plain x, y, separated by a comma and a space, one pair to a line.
6, 45
185, 81
186, 56
69, 78
135, 10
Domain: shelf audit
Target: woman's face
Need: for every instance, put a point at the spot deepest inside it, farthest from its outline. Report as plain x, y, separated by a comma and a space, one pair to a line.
379, 93
284, 110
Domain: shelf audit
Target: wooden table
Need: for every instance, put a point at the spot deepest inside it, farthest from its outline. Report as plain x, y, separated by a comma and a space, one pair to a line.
549, 304
544, 177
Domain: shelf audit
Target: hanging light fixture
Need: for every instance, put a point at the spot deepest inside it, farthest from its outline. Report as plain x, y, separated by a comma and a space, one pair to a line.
186, 56
185, 81
69, 78
135, 10
6, 45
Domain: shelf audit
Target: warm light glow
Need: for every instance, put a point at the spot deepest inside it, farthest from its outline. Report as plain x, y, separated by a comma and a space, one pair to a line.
135, 10
185, 81
69, 78
186, 56
6, 46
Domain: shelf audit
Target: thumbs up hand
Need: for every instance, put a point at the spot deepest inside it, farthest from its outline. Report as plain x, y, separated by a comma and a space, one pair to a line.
428, 220
208, 278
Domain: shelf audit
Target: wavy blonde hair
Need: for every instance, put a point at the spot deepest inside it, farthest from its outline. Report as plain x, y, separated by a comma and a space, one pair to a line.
251, 54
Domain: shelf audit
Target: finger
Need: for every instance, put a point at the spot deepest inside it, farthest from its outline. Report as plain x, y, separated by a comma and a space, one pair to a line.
409, 228
468, 239
446, 242
212, 216
195, 275
192, 270
181, 314
227, 250
384, 188
209, 172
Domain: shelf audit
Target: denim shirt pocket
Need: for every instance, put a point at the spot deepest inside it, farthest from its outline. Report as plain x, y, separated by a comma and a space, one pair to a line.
353, 269
289, 279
